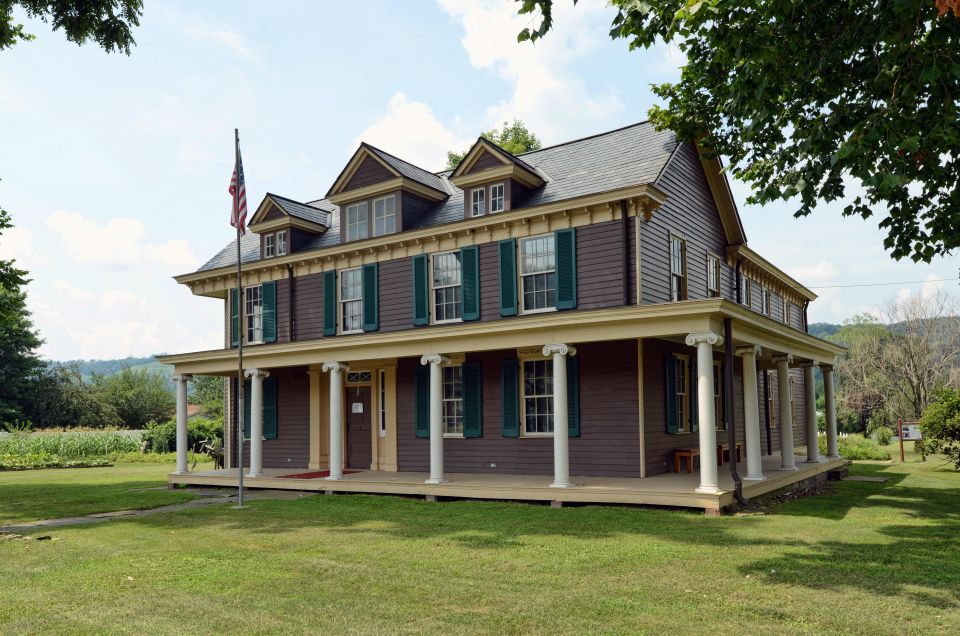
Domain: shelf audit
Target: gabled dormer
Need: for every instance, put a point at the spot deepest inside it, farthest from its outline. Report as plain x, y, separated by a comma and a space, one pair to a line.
493, 180
380, 194
286, 226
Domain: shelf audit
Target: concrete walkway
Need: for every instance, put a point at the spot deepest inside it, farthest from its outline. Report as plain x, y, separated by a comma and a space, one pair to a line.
205, 497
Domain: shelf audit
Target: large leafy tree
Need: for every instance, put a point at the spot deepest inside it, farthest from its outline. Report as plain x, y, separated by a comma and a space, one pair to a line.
818, 101
107, 22
138, 396
515, 138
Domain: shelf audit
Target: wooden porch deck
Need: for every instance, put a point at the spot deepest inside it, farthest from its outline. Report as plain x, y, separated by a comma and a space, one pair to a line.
671, 489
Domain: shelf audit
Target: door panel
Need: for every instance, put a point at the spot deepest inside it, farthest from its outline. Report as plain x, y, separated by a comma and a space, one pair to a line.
359, 451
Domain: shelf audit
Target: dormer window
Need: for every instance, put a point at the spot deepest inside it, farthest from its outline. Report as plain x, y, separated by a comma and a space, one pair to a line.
478, 202
358, 221
496, 198
282, 243
384, 215
268, 246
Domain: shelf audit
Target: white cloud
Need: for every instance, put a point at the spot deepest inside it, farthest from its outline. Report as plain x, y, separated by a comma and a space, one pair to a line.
17, 243
120, 242
932, 286
222, 35
819, 273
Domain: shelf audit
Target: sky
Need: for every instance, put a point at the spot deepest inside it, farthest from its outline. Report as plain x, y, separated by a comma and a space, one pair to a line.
115, 169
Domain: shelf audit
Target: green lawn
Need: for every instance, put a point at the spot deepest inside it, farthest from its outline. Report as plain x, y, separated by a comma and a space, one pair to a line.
869, 558
46, 494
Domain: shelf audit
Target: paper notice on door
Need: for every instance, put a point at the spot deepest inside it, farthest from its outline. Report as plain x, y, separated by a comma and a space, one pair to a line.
357, 407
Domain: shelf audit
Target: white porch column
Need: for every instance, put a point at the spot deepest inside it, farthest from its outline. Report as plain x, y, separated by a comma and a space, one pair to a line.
256, 420
336, 370
831, 413
751, 412
182, 436
561, 430
704, 342
810, 401
787, 460
436, 362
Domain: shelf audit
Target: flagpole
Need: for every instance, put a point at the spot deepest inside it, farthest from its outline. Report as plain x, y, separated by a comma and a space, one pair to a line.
240, 327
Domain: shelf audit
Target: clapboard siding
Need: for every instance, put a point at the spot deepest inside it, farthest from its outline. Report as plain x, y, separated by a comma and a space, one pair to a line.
483, 162
369, 172
396, 294
291, 448
609, 443
283, 310
689, 212
308, 307
489, 282
600, 265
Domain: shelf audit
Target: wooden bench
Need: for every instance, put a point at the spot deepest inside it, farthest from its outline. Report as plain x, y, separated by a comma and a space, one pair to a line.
689, 453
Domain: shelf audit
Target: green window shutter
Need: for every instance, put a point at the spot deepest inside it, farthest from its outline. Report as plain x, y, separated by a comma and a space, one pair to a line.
421, 400
246, 410
510, 398
694, 394
508, 277
270, 408
371, 298
470, 281
566, 250
573, 396
472, 399
330, 303
234, 317
269, 291
670, 395
421, 291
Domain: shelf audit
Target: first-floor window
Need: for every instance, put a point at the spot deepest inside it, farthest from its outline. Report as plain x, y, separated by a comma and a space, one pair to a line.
477, 203
254, 308
351, 300
268, 248
793, 400
771, 406
713, 276
678, 268
384, 216
382, 403
682, 396
282, 243
537, 390
718, 396
538, 273
358, 221
496, 198
453, 400
447, 303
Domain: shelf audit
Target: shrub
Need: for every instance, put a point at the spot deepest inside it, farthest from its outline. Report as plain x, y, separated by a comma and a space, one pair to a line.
29, 461
137, 395
162, 437
940, 425
855, 446
883, 435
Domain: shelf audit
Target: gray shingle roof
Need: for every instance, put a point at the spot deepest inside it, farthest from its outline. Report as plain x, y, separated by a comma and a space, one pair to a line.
617, 159
302, 211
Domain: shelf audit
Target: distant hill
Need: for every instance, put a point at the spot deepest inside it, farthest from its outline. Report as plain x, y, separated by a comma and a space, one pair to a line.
823, 329
89, 368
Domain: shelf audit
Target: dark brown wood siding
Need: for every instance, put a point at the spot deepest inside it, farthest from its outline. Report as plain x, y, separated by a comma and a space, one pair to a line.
396, 294
283, 310
600, 265
308, 307
484, 161
609, 443
490, 282
689, 212
369, 172
291, 448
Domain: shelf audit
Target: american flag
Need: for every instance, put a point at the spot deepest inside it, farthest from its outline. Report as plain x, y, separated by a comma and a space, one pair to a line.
238, 190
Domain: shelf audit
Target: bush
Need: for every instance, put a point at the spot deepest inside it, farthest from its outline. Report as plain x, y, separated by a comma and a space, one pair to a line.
138, 396
855, 446
162, 437
883, 435
940, 425
30, 461
70, 445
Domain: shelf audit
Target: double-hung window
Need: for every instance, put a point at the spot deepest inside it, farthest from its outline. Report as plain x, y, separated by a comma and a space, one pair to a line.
282, 243
718, 396
765, 301
453, 401
358, 221
254, 309
537, 392
478, 204
351, 300
682, 395
447, 288
496, 198
268, 246
384, 215
744, 291
713, 276
786, 309
678, 268
538, 273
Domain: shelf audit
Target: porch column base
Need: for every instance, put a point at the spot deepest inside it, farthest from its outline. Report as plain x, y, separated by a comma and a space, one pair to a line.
707, 490
754, 478
561, 484
788, 468
818, 460
334, 478
434, 481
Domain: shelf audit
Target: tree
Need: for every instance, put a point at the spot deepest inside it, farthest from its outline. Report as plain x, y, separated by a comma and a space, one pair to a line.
138, 396
940, 425
58, 397
820, 101
108, 22
514, 138
861, 383
208, 394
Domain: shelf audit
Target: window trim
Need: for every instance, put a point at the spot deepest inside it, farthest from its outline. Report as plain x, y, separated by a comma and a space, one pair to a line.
765, 302
356, 205
373, 219
453, 364
711, 257
718, 396
521, 307
523, 357
268, 246
744, 290
685, 425
785, 304
341, 302
433, 297
381, 403
249, 314
483, 201
281, 234
502, 197
771, 399
683, 276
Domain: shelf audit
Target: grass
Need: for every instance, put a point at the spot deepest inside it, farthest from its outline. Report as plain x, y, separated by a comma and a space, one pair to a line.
68, 492
869, 558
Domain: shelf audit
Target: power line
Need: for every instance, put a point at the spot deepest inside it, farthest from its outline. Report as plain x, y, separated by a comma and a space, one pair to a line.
906, 282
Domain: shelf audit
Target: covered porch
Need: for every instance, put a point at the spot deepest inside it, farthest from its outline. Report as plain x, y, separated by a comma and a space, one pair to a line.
669, 489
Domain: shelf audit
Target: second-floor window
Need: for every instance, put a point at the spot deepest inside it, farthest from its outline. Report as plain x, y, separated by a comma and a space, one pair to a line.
268, 246
765, 301
496, 198
254, 310
384, 216
446, 279
282, 243
478, 204
453, 401
678, 268
744, 291
538, 273
351, 300
358, 221
713, 276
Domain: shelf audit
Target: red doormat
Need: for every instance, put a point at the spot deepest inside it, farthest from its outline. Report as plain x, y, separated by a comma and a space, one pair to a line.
319, 474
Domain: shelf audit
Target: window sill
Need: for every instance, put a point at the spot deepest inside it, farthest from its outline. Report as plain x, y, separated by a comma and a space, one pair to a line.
349, 333
537, 435
453, 436
527, 312
447, 322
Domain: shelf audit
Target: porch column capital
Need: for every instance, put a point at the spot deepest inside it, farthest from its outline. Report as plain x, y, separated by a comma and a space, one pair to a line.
562, 349
708, 337
748, 351
182, 377
433, 358
256, 373
809, 364
335, 366
783, 357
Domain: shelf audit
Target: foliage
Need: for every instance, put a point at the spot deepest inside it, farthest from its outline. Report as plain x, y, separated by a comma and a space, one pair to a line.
940, 425
514, 138
854, 102
32, 461
856, 446
162, 437
108, 22
71, 445
130, 457
89, 368
883, 435
208, 394
57, 396
137, 395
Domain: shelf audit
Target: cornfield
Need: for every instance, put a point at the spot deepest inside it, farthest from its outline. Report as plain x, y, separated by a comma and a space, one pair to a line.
71, 445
